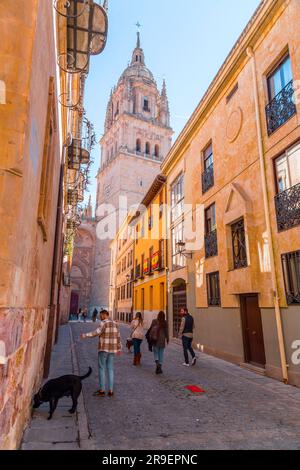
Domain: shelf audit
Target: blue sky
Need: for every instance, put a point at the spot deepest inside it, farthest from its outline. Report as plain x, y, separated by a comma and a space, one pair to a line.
185, 42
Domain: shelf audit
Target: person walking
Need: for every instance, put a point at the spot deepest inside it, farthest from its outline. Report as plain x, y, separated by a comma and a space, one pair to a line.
109, 346
78, 314
137, 336
158, 338
85, 314
186, 332
95, 314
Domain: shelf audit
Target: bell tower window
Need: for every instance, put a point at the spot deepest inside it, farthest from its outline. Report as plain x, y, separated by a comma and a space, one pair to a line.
138, 145
146, 105
147, 148
156, 151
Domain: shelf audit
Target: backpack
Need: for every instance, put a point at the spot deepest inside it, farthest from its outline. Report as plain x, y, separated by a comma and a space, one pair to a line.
153, 334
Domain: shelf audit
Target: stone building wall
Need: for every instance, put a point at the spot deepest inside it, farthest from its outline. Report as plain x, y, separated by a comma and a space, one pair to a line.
27, 66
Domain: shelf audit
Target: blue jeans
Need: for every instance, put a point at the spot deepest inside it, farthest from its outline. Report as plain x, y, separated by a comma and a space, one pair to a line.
137, 345
187, 346
158, 354
106, 361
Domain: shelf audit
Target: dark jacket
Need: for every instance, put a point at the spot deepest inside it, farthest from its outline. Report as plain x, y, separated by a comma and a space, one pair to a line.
162, 335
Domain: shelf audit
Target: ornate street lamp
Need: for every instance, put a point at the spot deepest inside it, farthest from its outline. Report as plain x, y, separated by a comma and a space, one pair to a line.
180, 248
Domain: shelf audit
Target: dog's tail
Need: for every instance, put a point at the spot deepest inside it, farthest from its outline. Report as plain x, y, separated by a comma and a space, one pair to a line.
87, 375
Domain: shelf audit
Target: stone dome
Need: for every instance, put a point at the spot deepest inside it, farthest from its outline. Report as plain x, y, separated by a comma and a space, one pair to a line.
137, 68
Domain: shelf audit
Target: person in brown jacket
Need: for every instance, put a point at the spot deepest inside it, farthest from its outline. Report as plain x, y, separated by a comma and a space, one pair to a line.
158, 335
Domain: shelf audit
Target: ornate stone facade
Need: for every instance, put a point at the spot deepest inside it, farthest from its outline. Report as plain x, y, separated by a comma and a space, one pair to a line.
136, 140
83, 263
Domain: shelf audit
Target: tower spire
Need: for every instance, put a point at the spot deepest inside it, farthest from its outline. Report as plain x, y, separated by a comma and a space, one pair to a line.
138, 41
138, 57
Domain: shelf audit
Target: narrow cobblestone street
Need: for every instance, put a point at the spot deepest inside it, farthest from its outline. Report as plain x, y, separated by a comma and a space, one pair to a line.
240, 410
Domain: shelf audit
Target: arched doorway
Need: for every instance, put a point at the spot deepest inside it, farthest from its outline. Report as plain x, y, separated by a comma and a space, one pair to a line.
179, 301
74, 303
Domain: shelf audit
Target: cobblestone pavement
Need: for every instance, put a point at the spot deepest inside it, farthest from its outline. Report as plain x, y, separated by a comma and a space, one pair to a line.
62, 432
240, 410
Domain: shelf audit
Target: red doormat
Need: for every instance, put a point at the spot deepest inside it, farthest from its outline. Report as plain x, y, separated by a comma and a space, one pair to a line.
195, 389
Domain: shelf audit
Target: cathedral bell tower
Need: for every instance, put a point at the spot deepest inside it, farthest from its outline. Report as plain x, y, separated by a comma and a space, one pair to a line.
137, 138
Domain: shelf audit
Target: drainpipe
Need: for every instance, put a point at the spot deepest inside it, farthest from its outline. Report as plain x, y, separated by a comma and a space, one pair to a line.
280, 336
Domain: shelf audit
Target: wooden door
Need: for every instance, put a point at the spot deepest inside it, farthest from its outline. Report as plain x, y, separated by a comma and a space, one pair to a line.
179, 301
252, 330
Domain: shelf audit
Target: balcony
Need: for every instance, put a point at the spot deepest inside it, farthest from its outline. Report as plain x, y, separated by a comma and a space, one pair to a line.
72, 197
87, 26
281, 108
208, 179
211, 244
77, 155
287, 205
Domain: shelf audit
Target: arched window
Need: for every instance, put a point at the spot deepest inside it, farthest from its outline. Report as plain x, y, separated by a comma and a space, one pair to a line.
138, 145
147, 148
156, 151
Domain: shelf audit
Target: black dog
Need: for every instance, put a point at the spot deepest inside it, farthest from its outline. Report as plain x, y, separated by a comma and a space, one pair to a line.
66, 386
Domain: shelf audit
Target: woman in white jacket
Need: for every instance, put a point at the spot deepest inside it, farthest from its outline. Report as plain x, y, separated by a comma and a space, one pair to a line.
137, 335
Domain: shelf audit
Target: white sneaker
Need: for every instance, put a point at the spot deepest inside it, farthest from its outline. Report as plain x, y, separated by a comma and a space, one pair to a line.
194, 361
186, 365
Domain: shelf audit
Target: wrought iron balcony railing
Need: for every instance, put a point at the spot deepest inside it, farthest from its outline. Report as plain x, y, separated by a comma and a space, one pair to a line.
138, 272
211, 244
281, 108
87, 26
288, 208
208, 179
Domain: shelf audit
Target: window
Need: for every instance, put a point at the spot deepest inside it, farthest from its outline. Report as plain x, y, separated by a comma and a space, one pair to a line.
291, 273
147, 148
281, 91
239, 245
213, 289
208, 165
143, 265
208, 157
177, 198
150, 259
162, 254
156, 151
151, 298
211, 241
161, 204
278, 79
138, 145
146, 105
150, 218
178, 260
287, 170
210, 219
47, 166
162, 296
